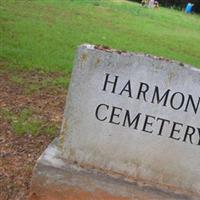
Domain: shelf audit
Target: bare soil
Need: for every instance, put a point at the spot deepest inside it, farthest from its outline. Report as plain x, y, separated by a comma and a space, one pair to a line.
19, 153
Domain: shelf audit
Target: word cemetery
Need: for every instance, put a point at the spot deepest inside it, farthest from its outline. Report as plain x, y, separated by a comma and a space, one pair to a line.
143, 121
130, 130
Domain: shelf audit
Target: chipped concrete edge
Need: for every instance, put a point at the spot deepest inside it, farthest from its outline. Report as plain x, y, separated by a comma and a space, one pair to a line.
128, 53
52, 169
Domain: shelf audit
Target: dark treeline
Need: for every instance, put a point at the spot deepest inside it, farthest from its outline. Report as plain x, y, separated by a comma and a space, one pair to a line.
178, 4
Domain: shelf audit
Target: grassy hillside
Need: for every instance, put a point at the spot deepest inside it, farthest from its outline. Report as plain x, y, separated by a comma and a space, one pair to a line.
38, 40
43, 34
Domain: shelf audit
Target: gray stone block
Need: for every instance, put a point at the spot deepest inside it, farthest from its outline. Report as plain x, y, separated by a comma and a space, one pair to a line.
131, 116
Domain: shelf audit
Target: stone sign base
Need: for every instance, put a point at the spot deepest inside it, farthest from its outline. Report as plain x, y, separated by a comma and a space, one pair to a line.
54, 178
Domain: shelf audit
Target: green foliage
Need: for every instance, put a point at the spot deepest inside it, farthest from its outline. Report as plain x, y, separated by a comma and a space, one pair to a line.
17, 80
30, 86
25, 127
44, 34
62, 82
25, 123
6, 114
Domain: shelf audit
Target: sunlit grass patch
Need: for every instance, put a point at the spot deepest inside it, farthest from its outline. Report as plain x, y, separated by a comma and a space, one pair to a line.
26, 123
44, 35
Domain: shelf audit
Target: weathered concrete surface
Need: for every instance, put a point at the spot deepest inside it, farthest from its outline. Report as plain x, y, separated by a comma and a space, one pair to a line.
57, 179
129, 119
109, 143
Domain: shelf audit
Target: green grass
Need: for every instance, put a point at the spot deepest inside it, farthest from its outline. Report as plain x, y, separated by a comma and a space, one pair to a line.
42, 80
24, 123
44, 34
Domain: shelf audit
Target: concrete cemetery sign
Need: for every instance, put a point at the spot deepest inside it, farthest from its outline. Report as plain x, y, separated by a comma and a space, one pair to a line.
130, 118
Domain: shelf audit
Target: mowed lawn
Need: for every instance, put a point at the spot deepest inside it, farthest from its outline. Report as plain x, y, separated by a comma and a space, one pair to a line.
44, 34
38, 41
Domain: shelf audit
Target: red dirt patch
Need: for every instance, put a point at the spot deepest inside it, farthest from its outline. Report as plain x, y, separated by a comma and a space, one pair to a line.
18, 154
